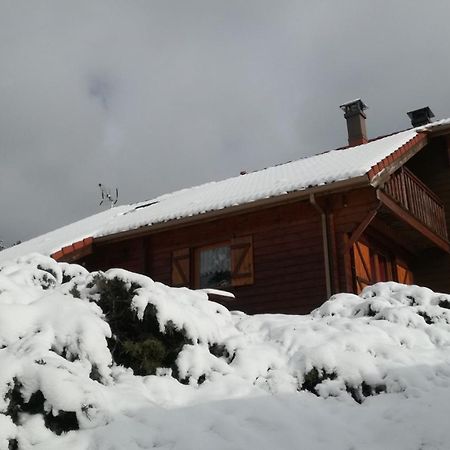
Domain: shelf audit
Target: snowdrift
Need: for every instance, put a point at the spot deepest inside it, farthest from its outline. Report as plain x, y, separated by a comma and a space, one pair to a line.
115, 360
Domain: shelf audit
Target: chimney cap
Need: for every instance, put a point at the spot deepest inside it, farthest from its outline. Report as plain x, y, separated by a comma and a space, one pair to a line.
353, 107
420, 116
356, 121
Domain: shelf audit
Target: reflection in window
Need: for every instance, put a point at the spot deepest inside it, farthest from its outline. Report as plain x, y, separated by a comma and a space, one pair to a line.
215, 267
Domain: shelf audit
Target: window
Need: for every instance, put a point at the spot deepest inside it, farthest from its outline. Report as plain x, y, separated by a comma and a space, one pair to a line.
214, 267
218, 265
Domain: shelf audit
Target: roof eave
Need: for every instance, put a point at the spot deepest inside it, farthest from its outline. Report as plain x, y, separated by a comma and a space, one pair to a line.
438, 130
291, 197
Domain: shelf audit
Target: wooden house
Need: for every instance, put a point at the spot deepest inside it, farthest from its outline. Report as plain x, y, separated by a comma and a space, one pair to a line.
285, 238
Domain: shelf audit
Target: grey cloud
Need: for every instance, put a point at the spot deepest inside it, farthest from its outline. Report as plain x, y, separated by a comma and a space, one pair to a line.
151, 96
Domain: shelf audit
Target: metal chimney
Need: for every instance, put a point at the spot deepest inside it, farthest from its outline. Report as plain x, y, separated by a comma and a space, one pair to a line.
356, 122
420, 116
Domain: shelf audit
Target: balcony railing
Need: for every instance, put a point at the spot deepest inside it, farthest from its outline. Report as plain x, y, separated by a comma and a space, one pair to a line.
415, 197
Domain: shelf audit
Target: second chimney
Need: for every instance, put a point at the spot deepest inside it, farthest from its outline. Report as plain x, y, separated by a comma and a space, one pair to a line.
356, 122
420, 116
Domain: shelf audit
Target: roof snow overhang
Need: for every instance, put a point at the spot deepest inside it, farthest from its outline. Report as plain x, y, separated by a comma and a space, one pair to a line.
291, 197
375, 177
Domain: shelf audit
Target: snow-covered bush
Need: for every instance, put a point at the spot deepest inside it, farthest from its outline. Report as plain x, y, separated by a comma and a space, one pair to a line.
84, 351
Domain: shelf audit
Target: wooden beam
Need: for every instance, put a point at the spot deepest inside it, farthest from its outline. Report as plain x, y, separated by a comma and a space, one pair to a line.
447, 142
382, 228
333, 253
404, 215
325, 243
360, 229
440, 130
347, 268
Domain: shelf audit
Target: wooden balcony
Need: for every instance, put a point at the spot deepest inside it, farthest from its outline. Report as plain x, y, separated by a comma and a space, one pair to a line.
419, 202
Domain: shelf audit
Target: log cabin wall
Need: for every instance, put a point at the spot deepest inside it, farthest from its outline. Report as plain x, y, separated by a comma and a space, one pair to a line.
432, 166
288, 266
288, 261
129, 255
289, 273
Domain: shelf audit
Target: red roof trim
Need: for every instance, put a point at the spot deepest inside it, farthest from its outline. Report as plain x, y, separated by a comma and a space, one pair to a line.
75, 247
57, 255
394, 156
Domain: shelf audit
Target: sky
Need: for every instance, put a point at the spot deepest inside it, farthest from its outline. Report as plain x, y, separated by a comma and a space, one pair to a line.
152, 96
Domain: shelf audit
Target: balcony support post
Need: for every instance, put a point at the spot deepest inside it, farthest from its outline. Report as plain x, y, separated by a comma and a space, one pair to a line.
359, 230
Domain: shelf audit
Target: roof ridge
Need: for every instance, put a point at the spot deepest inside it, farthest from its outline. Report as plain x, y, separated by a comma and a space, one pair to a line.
158, 198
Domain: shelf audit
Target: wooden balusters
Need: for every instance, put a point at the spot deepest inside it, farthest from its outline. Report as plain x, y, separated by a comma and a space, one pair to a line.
414, 196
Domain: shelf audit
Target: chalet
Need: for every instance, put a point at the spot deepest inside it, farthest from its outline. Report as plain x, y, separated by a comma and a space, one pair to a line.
285, 238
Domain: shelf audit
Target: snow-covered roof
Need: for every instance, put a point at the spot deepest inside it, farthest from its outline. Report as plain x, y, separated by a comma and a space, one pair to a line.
322, 169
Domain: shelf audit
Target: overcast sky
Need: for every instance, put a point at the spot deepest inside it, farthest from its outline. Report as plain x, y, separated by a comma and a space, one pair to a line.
151, 96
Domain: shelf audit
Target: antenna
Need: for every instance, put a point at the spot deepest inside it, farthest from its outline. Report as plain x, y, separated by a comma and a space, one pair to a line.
107, 195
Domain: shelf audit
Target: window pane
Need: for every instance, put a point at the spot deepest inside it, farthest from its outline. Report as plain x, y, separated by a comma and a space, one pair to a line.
215, 267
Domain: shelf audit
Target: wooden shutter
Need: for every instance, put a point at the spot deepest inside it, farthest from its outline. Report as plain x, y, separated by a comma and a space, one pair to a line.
404, 275
241, 261
363, 266
383, 267
181, 267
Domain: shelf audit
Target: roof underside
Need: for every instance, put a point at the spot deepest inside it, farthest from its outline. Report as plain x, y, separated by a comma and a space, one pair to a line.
319, 170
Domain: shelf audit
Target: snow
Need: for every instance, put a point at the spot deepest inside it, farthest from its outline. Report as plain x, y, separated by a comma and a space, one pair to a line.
318, 170
368, 371
182, 308
442, 123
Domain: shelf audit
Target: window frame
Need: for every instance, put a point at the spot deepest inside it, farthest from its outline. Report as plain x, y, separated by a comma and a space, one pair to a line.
196, 260
186, 263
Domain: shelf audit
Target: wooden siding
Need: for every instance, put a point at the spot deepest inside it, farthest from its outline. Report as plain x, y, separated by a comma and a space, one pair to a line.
129, 255
431, 165
289, 272
288, 263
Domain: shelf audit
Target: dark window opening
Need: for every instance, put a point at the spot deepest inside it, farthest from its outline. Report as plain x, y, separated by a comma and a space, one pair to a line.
215, 267
220, 265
